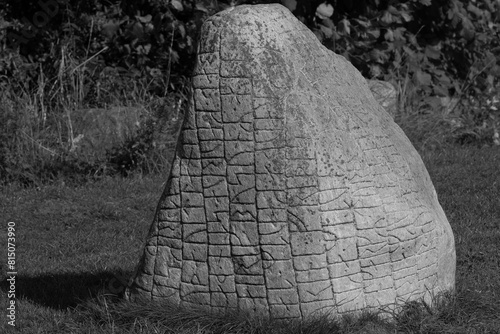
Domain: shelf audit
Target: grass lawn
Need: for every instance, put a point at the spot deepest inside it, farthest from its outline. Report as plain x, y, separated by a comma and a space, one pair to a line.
77, 245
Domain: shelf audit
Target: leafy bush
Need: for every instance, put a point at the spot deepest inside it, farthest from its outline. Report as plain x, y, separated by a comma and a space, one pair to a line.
444, 48
153, 147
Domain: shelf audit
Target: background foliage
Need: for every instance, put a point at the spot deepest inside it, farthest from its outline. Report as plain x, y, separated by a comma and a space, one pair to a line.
58, 56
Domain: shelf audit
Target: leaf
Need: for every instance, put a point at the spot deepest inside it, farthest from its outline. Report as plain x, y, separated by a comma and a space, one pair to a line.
490, 79
161, 38
328, 23
377, 56
386, 18
324, 10
143, 49
440, 90
174, 56
413, 40
319, 35
389, 36
490, 58
177, 5
326, 30
406, 17
398, 34
144, 19
344, 27
467, 27
182, 30
363, 23
433, 52
444, 79
474, 10
201, 8
290, 4
110, 29
393, 10
482, 37
495, 71
374, 33
455, 21
452, 11
425, 2
409, 52
375, 71
468, 33
423, 79
137, 30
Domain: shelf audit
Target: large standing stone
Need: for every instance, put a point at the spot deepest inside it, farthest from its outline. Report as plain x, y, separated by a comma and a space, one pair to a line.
292, 191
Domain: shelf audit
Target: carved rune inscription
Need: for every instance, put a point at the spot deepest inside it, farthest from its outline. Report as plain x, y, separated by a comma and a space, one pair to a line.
292, 190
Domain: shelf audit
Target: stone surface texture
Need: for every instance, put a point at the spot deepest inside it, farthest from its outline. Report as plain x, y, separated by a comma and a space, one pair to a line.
292, 190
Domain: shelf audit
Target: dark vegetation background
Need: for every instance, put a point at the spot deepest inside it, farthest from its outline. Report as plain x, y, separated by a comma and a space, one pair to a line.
59, 57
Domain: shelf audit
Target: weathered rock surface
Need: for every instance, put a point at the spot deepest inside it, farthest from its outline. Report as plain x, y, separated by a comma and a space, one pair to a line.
292, 191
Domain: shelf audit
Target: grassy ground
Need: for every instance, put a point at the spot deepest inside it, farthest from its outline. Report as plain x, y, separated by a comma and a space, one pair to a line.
77, 245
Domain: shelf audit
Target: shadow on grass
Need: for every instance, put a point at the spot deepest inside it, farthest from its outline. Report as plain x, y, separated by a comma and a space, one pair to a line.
62, 291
